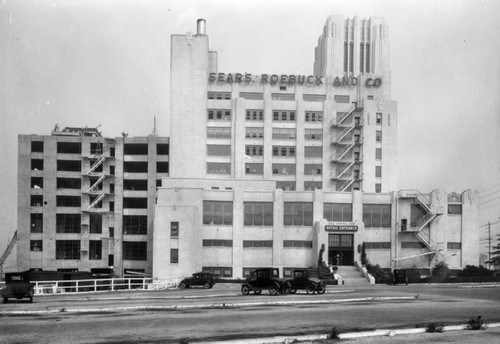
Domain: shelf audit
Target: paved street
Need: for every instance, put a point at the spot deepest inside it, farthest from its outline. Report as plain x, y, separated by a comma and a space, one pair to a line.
222, 313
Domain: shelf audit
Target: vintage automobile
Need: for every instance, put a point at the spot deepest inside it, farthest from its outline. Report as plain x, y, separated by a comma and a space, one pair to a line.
205, 279
265, 279
307, 280
17, 286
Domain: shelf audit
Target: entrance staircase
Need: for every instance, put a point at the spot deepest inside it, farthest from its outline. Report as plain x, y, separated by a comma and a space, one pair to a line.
351, 276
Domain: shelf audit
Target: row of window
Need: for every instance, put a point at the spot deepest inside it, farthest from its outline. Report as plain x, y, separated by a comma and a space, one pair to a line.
258, 115
274, 96
71, 249
257, 243
408, 245
76, 166
97, 148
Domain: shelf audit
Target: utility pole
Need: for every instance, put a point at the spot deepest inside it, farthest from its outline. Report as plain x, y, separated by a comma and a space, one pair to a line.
489, 245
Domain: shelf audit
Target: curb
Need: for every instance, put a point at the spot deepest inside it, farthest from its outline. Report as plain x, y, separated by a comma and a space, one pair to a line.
214, 305
350, 335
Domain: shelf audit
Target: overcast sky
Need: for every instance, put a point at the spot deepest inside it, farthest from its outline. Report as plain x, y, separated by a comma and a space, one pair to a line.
90, 63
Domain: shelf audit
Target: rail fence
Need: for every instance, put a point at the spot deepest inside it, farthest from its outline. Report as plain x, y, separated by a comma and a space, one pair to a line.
104, 285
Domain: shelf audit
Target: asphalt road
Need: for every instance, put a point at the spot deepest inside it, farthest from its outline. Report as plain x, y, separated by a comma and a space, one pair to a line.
222, 313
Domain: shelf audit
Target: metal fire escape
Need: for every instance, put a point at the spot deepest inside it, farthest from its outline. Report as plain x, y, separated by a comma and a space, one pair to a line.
346, 162
429, 214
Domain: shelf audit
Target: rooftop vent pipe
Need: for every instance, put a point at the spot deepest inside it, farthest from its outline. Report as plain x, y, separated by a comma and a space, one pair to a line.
201, 27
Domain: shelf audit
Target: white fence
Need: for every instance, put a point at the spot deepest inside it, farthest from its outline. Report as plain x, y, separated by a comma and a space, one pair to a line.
104, 285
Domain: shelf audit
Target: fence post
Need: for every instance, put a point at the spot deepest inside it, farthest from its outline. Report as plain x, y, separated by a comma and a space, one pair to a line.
112, 284
95, 285
129, 284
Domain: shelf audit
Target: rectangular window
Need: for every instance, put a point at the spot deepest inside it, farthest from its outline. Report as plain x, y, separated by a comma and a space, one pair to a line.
298, 214
378, 171
313, 169
379, 118
111, 232
378, 188
337, 212
135, 149
218, 150
219, 95
67, 249
135, 224
69, 183
254, 115
219, 271
135, 166
217, 212
69, 147
412, 244
135, 250
37, 164
36, 245
284, 133
378, 136
174, 229
254, 169
36, 200
284, 169
254, 150
254, 132
68, 201
95, 249
96, 148
341, 99
252, 95
36, 182
314, 97
309, 185
218, 132
95, 223
455, 209
297, 243
162, 149
314, 116
378, 153
135, 202
313, 134
313, 151
174, 256
218, 168
283, 96
377, 215
162, 167
257, 243
378, 245
219, 114
68, 223
217, 243
340, 240
454, 246
135, 184
37, 146
283, 150
285, 116
258, 214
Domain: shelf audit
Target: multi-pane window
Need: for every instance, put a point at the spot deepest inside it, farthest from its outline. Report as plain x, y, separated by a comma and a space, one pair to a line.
313, 134
219, 95
341, 99
284, 133
313, 169
254, 132
135, 166
95, 249
412, 244
298, 214
378, 245
287, 116
174, 255
378, 171
313, 151
314, 116
218, 150
69, 147
36, 182
297, 243
455, 209
257, 243
161, 149
379, 118
251, 168
283, 96
68, 223
69, 183
135, 202
378, 188
162, 167
135, 149
219, 271
37, 164
454, 245
314, 97
254, 150
67, 249
311, 185
37, 146
254, 115
135, 184
68, 201
252, 95
284, 169
174, 229
378, 136
378, 153
135, 224
340, 240
258, 214
377, 215
285, 185
219, 115
135, 250
36, 200
218, 132
217, 243
283, 150
95, 223
338, 212
217, 212
96, 148
36, 245
218, 167
36, 223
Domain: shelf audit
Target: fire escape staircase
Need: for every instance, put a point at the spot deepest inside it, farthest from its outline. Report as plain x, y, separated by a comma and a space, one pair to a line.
93, 189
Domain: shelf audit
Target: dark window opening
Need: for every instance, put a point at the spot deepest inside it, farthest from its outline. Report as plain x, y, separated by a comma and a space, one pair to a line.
135, 166
96, 148
95, 223
135, 250
36, 245
95, 249
162, 167
174, 229
68, 223
37, 146
162, 149
68, 201
36, 223
67, 249
69, 147
69, 165
36, 200
135, 149
37, 164
36, 182
69, 183
135, 224
135, 184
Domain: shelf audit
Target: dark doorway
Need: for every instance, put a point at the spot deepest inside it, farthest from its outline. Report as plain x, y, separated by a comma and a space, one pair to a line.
340, 249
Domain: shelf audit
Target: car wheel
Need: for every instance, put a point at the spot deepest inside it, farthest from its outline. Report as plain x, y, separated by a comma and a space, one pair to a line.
310, 289
245, 290
183, 285
273, 290
285, 289
293, 291
321, 289
206, 286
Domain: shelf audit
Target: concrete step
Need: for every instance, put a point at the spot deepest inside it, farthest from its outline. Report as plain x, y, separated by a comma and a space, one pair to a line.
351, 276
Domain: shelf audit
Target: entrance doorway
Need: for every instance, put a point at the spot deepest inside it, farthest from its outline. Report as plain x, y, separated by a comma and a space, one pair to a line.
341, 249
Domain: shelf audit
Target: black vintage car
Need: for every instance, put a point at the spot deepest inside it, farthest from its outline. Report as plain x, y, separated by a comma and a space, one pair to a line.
265, 279
307, 280
17, 286
205, 279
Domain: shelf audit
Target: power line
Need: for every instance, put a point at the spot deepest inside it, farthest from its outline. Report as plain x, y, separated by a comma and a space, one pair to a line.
490, 223
489, 188
490, 200
492, 193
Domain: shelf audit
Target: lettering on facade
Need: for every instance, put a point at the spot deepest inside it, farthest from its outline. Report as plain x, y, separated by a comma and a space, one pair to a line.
341, 226
282, 79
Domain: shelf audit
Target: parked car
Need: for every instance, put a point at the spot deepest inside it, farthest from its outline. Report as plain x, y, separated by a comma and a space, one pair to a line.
205, 279
307, 280
265, 279
17, 286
